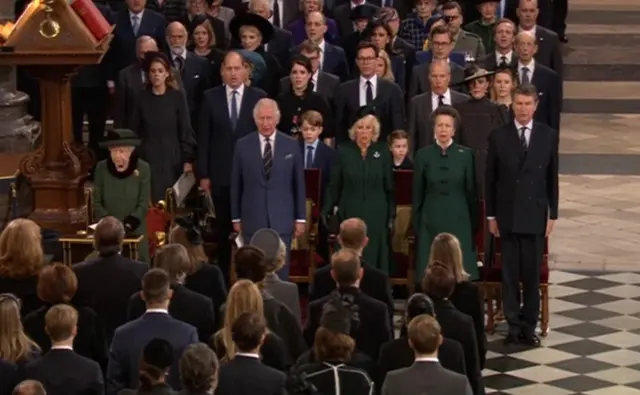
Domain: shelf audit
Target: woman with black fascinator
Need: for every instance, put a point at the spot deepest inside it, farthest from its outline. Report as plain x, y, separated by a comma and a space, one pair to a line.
334, 366
204, 278
157, 358
397, 353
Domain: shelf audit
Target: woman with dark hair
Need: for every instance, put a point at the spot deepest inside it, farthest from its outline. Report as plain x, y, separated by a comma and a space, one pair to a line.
334, 366
163, 123
202, 41
301, 98
157, 358
381, 35
397, 353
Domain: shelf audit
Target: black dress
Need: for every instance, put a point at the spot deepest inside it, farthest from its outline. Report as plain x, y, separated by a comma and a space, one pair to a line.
25, 289
335, 378
466, 298
215, 58
293, 106
163, 124
208, 281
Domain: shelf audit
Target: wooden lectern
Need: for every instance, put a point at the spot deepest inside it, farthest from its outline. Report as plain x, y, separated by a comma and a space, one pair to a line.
53, 42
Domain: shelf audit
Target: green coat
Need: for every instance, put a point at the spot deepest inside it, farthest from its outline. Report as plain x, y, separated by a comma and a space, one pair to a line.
445, 200
485, 32
124, 194
363, 188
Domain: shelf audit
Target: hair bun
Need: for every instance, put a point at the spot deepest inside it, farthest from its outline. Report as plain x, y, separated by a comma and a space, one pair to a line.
419, 304
159, 353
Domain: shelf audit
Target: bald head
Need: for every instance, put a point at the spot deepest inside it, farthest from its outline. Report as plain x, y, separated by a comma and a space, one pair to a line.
353, 234
29, 387
177, 36
145, 44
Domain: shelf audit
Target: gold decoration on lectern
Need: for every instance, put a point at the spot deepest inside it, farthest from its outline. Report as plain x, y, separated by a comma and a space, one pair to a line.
49, 27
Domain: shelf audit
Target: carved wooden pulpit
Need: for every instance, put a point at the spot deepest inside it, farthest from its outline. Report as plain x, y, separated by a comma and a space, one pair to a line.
52, 41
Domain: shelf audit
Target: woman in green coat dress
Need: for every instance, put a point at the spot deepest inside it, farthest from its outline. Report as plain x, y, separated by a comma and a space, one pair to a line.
444, 192
122, 186
361, 186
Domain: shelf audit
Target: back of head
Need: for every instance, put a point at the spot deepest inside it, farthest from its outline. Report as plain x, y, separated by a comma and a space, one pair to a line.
199, 369
60, 322
353, 233
248, 331
438, 281
157, 358
173, 259
424, 334
156, 287
244, 297
446, 249
21, 253
332, 341
249, 262
108, 236
419, 304
29, 387
270, 243
346, 267
57, 283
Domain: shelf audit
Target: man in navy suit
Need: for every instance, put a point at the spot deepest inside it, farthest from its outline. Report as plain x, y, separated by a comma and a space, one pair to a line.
267, 181
218, 132
132, 23
316, 154
332, 58
130, 339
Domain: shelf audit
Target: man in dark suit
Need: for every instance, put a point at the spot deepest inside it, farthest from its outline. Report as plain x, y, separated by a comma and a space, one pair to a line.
324, 83
267, 181
426, 375
132, 23
442, 45
245, 374
282, 40
504, 38
186, 305
545, 11
385, 98
421, 106
218, 132
10, 377
522, 207
549, 52
547, 83
371, 332
194, 70
106, 282
131, 338
61, 371
332, 57
375, 283
131, 82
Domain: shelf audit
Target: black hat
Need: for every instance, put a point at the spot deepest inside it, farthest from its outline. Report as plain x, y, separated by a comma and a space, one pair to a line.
419, 304
364, 11
248, 19
478, 2
153, 56
472, 73
159, 353
268, 241
120, 138
191, 230
196, 21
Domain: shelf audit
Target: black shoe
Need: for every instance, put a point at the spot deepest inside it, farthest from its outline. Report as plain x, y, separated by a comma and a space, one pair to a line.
529, 340
511, 339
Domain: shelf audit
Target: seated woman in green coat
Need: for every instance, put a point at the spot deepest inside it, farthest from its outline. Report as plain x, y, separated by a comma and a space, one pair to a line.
444, 192
122, 186
361, 186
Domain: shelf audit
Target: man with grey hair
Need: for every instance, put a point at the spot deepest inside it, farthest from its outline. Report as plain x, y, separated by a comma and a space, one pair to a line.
267, 181
282, 40
29, 387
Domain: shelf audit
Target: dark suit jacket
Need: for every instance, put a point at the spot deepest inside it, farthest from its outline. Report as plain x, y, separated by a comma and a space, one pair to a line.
11, 376
549, 50
187, 306
342, 15
273, 352
549, 88
63, 372
369, 334
327, 85
459, 326
129, 341
280, 45
374, 283
522, 188
490, 62
420, 124
263, 379
25, 289
122, 51
388, 107
323, 160
425, 378
208, 281
216, 138
335, 62
420, 78
195, 79
105, 285
466, 298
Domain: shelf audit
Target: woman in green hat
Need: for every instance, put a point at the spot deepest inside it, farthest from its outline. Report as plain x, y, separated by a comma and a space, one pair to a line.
122, 186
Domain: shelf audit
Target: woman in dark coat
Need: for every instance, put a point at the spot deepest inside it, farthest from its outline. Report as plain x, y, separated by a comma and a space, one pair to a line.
380, 34
502, 87
252, 32
361, 186
301, 98
163, 123
203, 44
444, 192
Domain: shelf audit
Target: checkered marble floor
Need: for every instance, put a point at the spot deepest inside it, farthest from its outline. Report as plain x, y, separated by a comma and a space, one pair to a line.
593, 346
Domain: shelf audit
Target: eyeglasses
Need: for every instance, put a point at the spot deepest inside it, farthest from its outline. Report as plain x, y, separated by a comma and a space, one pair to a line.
366, 59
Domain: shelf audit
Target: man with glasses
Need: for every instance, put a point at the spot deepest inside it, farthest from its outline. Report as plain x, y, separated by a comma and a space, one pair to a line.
463, 41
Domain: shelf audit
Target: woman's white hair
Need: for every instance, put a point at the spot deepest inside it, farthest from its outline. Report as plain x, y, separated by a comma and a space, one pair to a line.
266, 102
281, 256
366, 118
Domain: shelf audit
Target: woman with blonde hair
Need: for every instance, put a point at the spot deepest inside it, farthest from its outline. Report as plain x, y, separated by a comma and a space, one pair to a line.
502, 87
245, 297
383, 66
361, 186
21, 258
466, 297
15, 346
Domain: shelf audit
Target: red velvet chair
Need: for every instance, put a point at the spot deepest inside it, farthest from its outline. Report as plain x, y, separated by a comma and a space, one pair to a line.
403, 240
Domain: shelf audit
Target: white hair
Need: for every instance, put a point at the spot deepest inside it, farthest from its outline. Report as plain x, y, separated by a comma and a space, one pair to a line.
266, 102
143, 39
527, 35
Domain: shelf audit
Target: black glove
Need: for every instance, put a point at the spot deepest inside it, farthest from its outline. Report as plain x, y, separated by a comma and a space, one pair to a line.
131, 223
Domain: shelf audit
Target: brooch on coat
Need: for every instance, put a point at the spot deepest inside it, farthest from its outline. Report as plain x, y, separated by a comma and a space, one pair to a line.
136, 173
376, 154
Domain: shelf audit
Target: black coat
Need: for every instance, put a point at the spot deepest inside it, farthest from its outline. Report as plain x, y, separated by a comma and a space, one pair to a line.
358, 360
248, 376
195, 75
280, 45
549, 88
334, 378
186, 306
208, 281
63, 372
283, 323
105, 285
549, 50
371, 332
522, 188
25, 289
90, 342
274, 352
11, 376
466, 298
293, 106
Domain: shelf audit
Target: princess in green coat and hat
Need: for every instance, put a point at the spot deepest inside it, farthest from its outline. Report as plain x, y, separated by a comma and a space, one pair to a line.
122, 186
444, 192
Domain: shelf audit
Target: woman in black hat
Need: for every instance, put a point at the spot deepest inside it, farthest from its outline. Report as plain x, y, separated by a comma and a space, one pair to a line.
163, 124
301, 98
121, 185
252, 32
202, 41
157, 358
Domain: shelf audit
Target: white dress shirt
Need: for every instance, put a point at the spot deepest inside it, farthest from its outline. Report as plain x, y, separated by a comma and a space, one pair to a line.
435, 103
61, 348
161, 311
427, 359
229, 92
532, 30
508, 56
363, 88
530, 67
314, 79
248, 355
527, 133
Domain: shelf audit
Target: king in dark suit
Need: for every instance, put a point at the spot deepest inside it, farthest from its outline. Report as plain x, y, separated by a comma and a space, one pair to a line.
522, 206
267, 181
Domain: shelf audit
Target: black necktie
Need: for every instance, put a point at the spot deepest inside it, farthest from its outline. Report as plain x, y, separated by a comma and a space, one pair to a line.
369, 93
523, 138
234, 109
309, 160
503, 61
178, 62
440, 100
276, 13
267, 158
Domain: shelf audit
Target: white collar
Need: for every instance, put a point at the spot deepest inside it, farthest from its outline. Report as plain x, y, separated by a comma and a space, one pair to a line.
162, 311
530, 65
248, 355
507, 55
446, 94
532, 30
183, 55
529, 125
448, 144
321, 45
264, 138
354, 5
374, 81
61, 348
427, 359
138, 14
229, 89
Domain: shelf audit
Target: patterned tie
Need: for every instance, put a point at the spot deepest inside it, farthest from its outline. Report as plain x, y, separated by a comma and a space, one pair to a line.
234, 109
369, 93
523, 138
503, 61
267, 158
525, 76
309, 160
135, 24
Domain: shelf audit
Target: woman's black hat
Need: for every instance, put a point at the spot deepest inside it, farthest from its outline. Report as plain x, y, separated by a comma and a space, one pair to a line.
159, 353
196, 21
191, 230
472, 73
153, 56
248, 19
364, 11
120, 138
